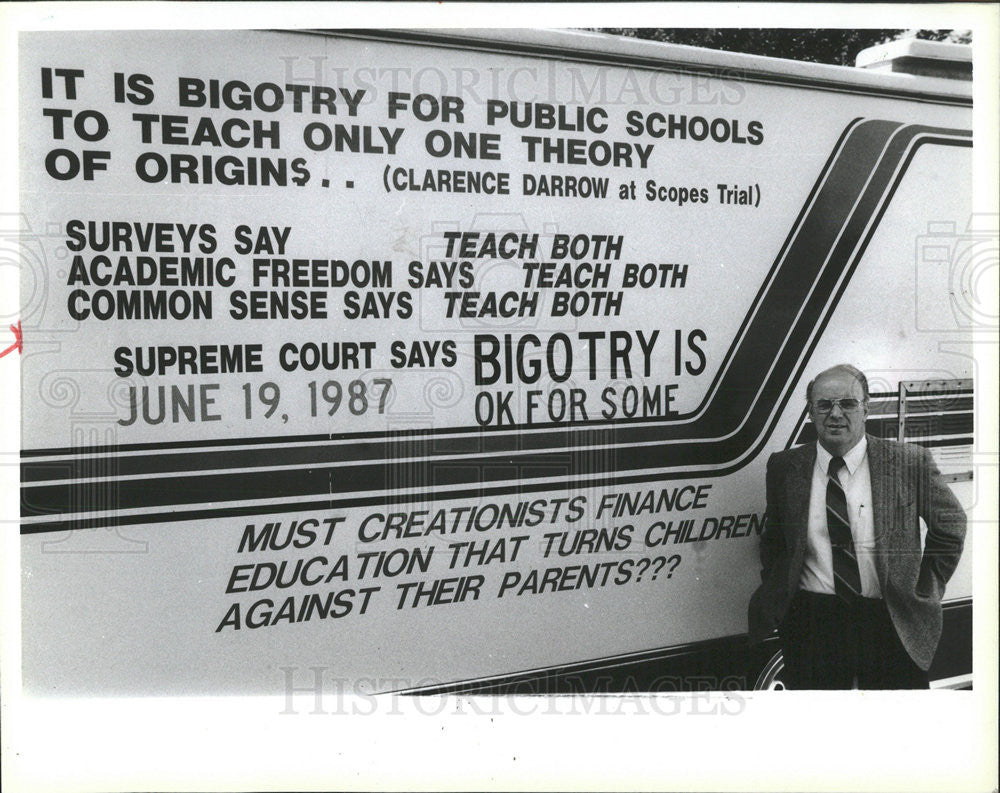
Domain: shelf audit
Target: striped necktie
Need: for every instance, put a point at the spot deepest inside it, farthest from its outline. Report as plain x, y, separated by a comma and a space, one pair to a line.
847, 579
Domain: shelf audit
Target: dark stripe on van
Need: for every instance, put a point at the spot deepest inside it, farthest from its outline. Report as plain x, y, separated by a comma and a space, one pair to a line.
734, 423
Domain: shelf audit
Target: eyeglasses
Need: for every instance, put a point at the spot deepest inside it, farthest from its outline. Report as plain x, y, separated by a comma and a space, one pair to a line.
826, 405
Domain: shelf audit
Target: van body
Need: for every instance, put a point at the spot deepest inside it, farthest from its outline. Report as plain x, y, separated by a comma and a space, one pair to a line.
451, 361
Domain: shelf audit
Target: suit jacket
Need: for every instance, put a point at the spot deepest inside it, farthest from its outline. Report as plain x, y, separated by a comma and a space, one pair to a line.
906, 486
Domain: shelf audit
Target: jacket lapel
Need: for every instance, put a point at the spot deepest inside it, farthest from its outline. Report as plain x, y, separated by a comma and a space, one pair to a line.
877, 466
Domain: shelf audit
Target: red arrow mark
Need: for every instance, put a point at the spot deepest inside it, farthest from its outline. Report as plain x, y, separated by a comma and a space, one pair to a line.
18, 344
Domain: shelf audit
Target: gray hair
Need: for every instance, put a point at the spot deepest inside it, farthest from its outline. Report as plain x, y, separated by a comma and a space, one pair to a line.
846, 368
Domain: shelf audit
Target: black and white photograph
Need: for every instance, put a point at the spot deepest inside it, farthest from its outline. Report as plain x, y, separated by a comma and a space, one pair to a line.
413, 395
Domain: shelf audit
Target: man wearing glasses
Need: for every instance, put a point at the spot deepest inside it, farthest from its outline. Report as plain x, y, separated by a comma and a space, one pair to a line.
854, 595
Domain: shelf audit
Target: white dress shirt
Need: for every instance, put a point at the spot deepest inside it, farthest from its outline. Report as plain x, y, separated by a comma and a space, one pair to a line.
856, 479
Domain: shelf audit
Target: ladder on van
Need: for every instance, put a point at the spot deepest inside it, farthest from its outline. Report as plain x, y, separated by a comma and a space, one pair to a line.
939, 414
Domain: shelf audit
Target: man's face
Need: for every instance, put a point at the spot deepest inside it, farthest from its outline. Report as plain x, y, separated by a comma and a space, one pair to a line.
839, 429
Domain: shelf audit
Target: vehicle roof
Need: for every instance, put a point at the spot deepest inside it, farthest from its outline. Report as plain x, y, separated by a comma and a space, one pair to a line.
585, 46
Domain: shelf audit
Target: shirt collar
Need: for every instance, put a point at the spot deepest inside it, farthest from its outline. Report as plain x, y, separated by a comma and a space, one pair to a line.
852, 459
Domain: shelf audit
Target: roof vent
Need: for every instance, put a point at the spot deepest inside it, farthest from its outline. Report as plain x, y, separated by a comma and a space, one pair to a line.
917, 56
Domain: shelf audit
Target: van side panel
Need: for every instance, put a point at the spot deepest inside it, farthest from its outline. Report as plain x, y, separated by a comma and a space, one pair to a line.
436, 362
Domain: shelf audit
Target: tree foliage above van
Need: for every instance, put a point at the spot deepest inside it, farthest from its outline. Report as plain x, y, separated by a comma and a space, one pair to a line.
834, 46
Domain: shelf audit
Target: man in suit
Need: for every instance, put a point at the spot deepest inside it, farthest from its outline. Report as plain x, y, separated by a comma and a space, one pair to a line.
855, 598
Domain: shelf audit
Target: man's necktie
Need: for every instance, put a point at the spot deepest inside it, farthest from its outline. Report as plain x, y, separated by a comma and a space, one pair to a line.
846, 578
